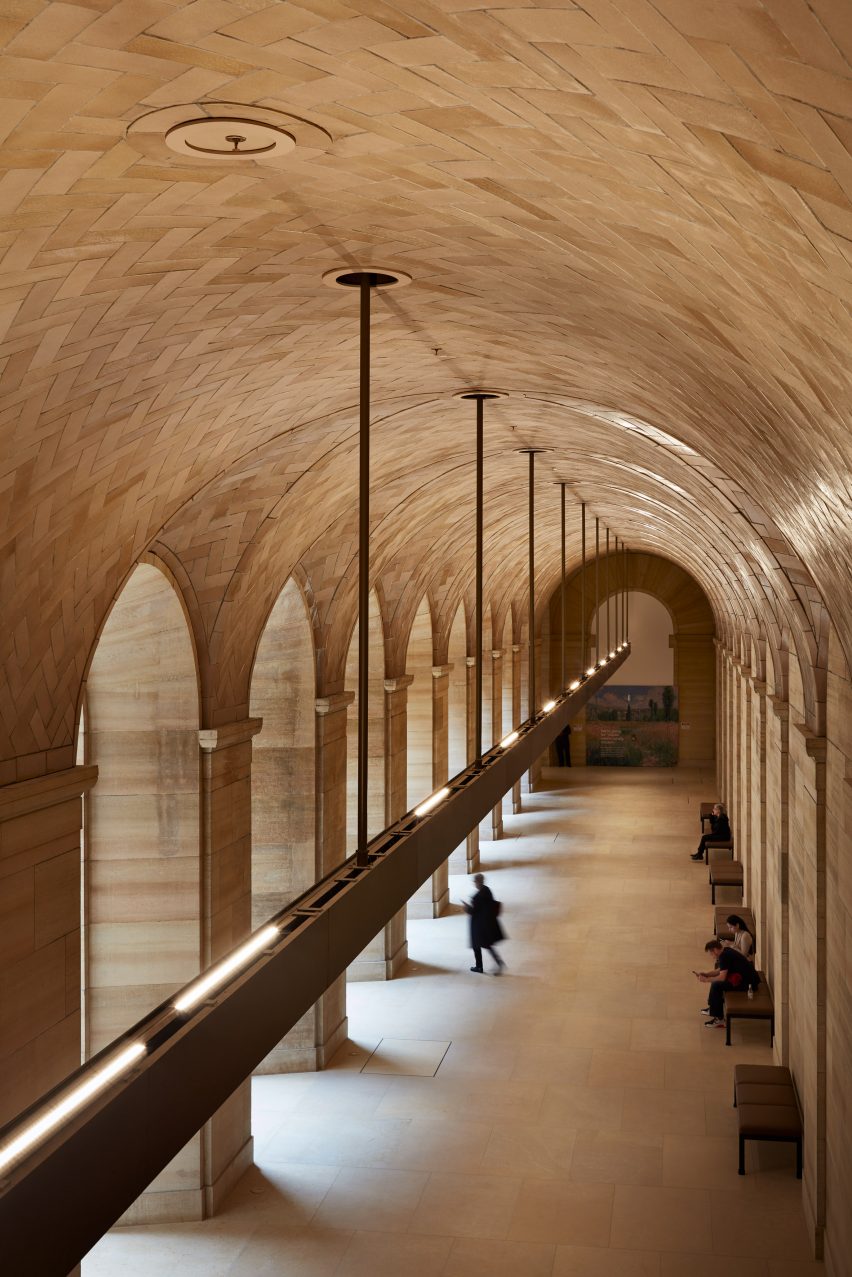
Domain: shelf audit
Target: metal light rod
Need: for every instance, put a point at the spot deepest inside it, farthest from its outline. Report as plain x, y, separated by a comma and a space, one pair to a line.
597, 591
606, 590
562, 597
363, 568
583, 644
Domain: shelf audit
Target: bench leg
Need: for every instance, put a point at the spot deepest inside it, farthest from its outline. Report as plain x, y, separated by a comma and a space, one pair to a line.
798, 1159
728, 1038
741, 1170
772, 1029
713, 892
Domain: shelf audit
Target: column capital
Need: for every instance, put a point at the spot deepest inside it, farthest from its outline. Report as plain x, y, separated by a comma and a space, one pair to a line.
780, 706
335, 703
211, 739
496, 653
518, 647
816, 746
441, 671
759, 686
398, 684
470, 661
25, 796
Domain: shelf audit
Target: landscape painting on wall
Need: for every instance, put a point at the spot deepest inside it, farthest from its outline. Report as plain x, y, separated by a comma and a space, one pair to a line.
629, 726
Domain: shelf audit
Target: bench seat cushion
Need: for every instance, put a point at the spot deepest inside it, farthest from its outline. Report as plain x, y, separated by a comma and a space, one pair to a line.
773, 1121
727, 873
762, 1074
755, 1093
742, 1007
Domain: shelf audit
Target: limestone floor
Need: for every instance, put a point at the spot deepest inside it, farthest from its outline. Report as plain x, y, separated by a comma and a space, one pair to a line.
579, 1122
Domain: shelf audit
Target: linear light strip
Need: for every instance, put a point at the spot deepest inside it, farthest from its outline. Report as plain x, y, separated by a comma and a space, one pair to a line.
217, 975
432, 801
42, 1126
508, 740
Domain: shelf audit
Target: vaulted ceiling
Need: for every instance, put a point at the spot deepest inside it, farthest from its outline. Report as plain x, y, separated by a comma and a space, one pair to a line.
634, 217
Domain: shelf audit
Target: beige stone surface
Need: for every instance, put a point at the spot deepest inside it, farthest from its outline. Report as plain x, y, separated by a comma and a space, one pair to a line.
510, 1160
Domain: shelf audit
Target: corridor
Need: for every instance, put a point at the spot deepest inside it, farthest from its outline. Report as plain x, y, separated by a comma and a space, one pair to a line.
572, 1119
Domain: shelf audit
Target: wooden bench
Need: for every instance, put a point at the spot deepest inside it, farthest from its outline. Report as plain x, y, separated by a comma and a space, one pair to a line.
718, 844
739, 1006
705, 811
729, 874
767, 1108
718, 856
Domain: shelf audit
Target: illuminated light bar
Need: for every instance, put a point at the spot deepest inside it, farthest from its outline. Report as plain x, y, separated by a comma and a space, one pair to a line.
432, 801
548, 706
73, 1100
508, 740
590, 671
612, 656
574, 685
217, 975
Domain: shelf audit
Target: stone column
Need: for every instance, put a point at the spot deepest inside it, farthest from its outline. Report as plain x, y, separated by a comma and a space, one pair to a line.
472, 847
781, 976
330, 825
40, 856
516, 716
537, 764
385, 954
396, 799
746, 794
226, 920
440, 771
497, 732
759, 690
815, 1200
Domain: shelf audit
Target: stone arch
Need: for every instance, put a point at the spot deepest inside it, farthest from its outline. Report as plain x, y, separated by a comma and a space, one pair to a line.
142, 867
693, 633
283, 786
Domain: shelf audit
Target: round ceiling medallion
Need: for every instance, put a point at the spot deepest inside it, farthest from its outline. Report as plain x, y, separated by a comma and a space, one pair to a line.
381, 277
229, 138
225, 133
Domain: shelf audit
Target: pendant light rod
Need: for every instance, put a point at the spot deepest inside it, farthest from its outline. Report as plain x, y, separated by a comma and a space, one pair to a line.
584, 645
617, 600
479, 397
363, 568
562, 597
480, 450
606, 591
531, 453
597, 591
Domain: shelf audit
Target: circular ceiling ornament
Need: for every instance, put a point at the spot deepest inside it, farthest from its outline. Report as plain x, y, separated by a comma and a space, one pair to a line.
227, 137
225, 133
381, 277
481, 394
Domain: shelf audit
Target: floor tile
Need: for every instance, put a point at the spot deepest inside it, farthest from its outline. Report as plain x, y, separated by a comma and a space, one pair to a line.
406, 1056
556, 1211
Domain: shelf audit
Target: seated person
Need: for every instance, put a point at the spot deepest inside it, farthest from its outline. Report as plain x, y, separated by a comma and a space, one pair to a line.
720, 829
742, 937
732, 972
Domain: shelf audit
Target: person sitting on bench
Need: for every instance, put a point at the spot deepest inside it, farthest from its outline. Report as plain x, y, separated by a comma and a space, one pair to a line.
720, 829
732, 971
743, 939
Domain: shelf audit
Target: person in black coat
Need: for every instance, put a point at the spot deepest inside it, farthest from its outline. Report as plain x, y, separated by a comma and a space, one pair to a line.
485, 929
720, 829
563, 747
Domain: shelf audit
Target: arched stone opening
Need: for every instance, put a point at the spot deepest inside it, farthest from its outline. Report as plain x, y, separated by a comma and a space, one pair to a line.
283, 789
142, 915
692, 635
426, 701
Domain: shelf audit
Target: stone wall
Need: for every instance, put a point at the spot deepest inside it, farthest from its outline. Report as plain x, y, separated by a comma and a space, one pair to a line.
786, 765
